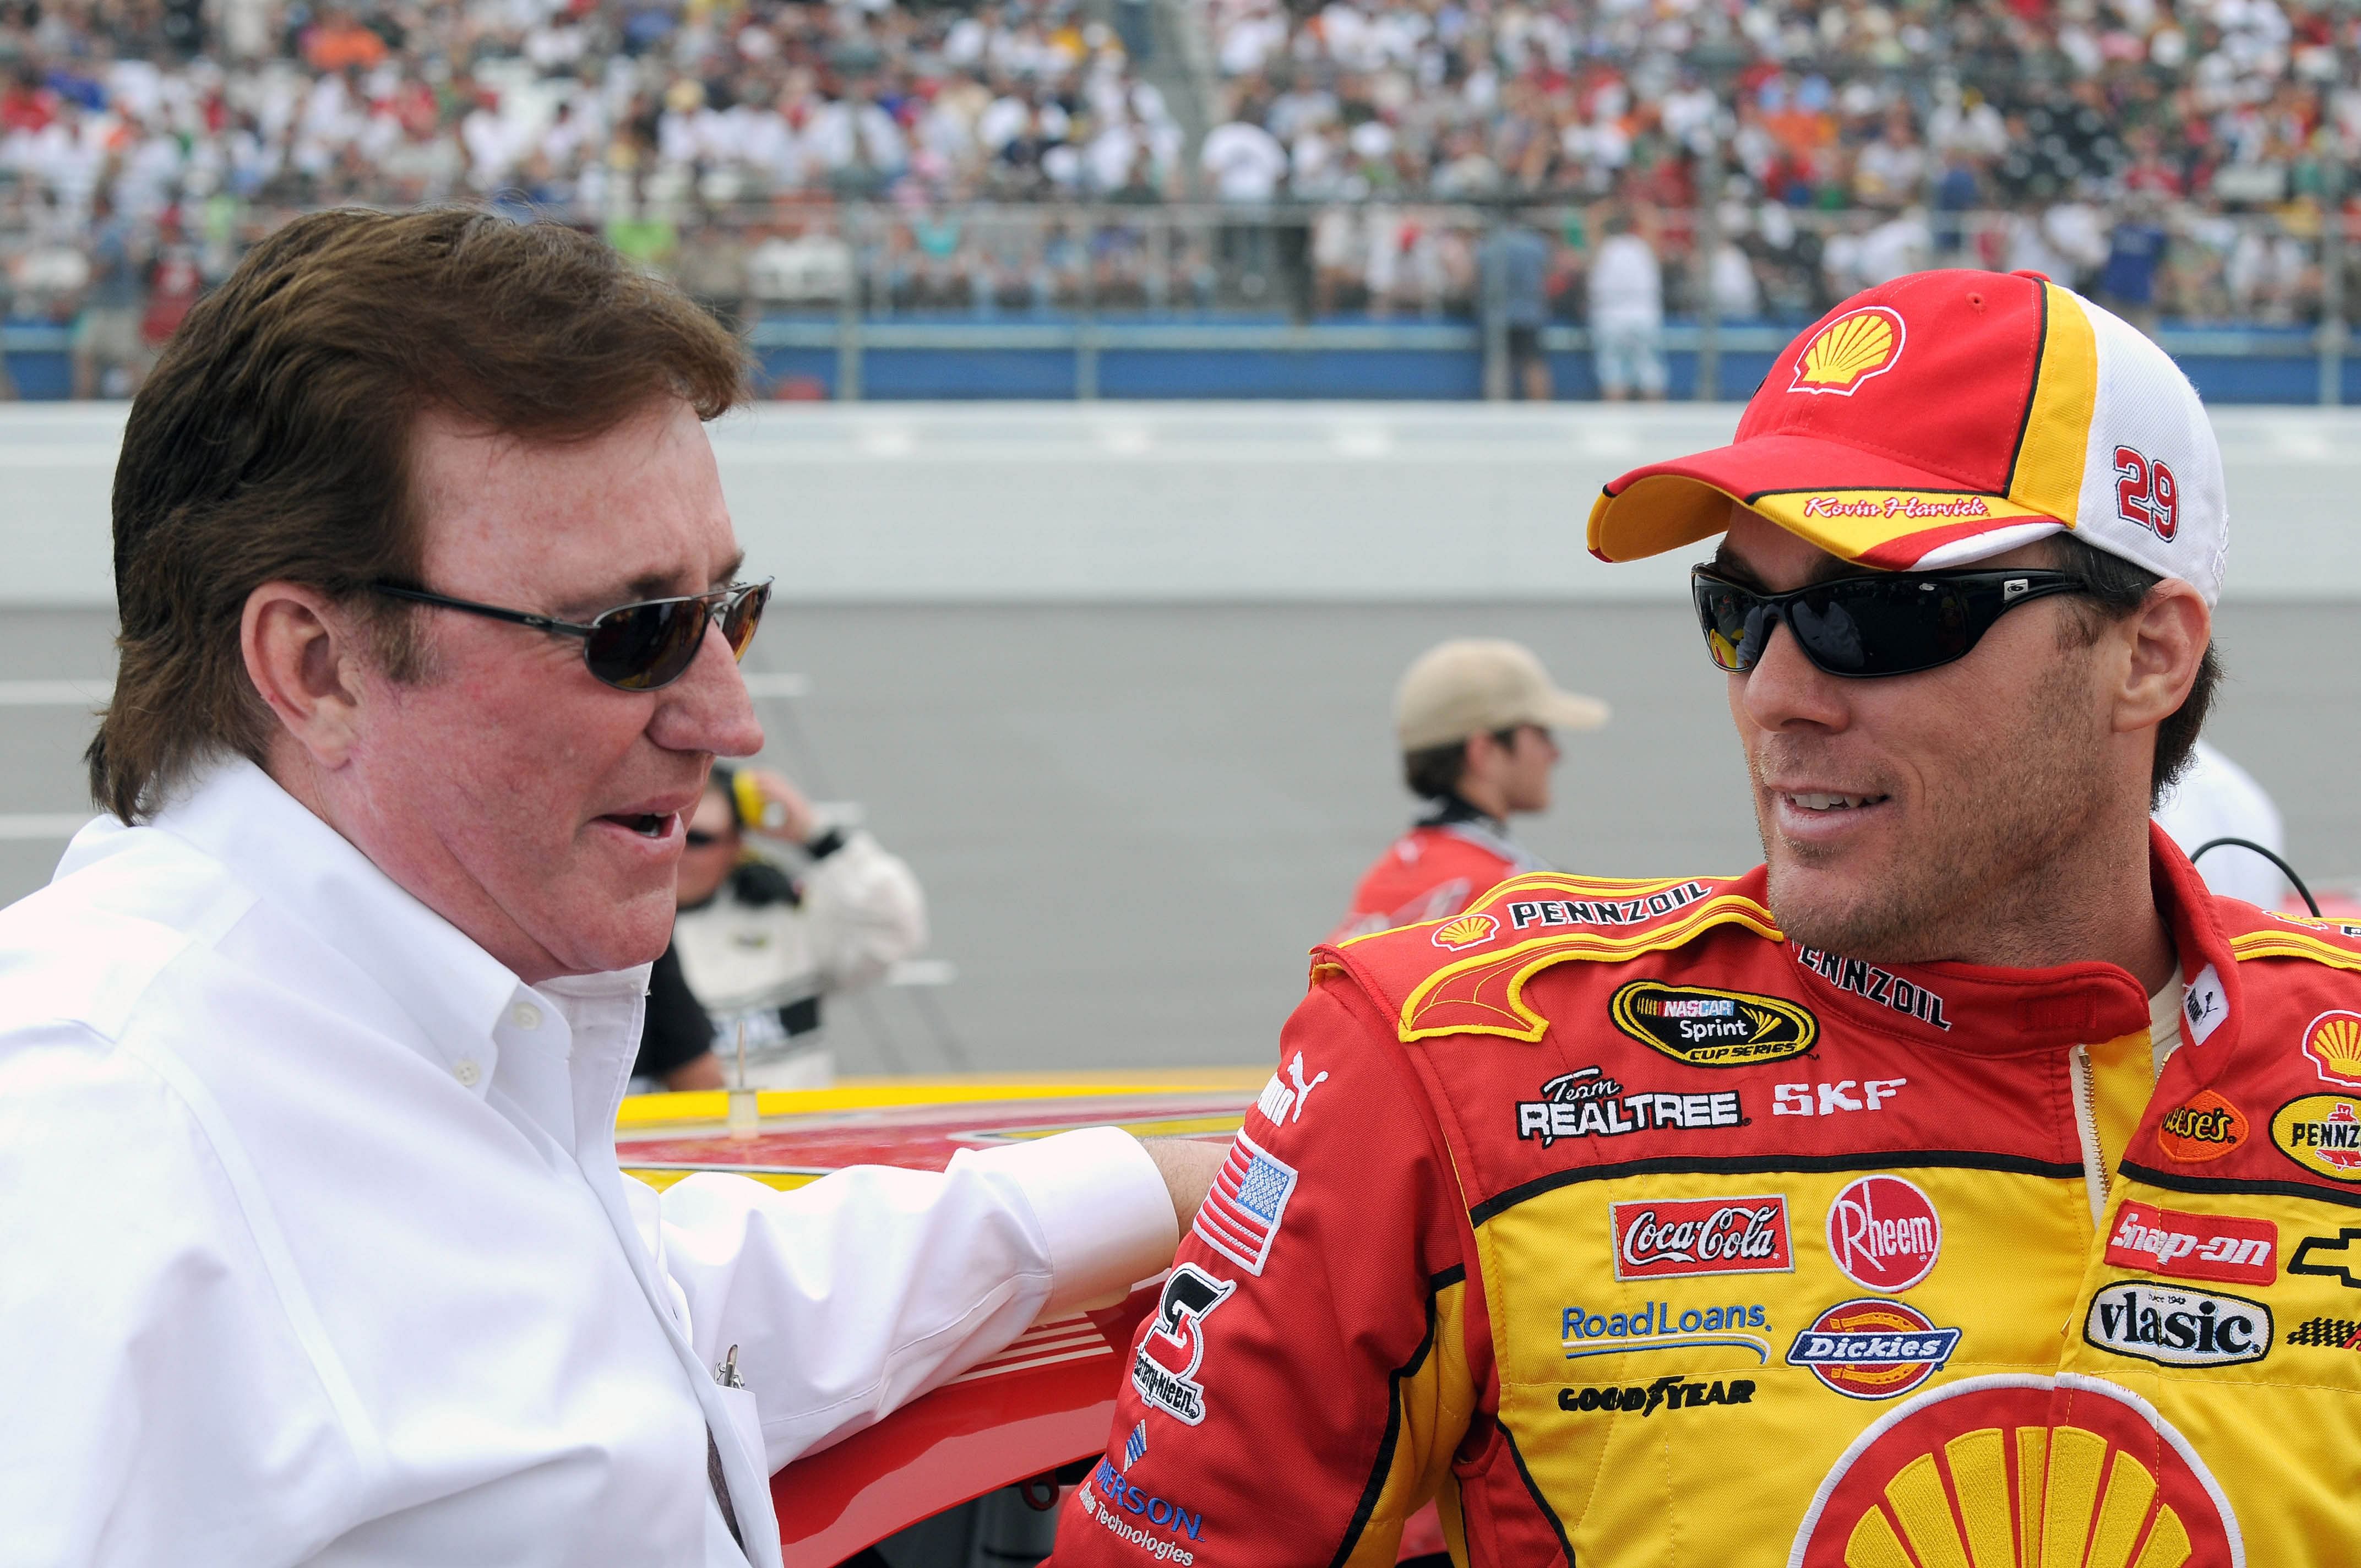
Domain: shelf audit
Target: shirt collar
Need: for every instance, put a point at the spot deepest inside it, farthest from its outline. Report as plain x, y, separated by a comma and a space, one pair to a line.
1999, 1012
465, 1004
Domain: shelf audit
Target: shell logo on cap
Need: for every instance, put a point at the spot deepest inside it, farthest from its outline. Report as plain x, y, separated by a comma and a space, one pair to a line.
1850, 350
1467, 931
2012, 1468
2333, 1044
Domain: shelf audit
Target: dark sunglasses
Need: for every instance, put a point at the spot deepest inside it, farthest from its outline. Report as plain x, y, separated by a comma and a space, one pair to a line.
633, 647
1885, 623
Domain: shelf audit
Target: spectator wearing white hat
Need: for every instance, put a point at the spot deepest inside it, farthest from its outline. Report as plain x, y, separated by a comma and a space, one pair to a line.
1475, 718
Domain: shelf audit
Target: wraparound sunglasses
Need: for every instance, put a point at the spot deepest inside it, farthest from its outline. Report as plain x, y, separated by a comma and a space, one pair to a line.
1884, 623
633, 647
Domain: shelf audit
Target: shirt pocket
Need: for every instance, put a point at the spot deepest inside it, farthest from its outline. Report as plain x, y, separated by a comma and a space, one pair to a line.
746, 1423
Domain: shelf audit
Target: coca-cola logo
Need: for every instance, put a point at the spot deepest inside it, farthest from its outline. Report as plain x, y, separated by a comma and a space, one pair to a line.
1885, 1233
1677, 1236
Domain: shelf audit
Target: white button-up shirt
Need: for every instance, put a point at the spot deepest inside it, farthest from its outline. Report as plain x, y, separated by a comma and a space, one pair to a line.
313, 1248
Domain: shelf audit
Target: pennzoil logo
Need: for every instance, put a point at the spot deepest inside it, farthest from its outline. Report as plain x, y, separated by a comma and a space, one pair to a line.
2203, 1126
1467, 931
2322, 1133
1705, 1026
2333, 1041
1972, 1470
1850, 349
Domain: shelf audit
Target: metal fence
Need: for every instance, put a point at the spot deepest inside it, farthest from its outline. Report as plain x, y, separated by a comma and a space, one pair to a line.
1396, 298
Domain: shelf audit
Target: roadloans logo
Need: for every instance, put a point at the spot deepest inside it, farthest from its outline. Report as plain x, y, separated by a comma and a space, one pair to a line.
1164, 1368
2175, 1327
1884, 1233
1966, 1471
1873, 1349
1705, 1026
2321, 1132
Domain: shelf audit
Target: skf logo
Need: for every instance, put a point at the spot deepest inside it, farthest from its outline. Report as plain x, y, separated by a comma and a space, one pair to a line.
1850, 349
1937, 1472
1467, 931
2205, 1127
2321, 1132
2334, 1257
1704, 1027
2177, 1327
2333, 1041
1164, 1369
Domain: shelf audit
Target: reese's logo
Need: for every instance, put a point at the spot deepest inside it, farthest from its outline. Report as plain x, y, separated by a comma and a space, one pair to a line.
2205, 1127
1708, 1027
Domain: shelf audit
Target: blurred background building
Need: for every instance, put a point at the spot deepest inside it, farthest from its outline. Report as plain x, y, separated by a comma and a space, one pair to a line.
1145, 198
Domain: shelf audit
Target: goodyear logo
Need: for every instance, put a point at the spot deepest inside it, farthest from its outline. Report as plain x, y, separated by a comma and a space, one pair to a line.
2322, 1133
1850, 349
1705, 1027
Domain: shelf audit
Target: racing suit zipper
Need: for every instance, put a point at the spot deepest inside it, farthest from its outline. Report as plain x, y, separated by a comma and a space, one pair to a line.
2086, 1122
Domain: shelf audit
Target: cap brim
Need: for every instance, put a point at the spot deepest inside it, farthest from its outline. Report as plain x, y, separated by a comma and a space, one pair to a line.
1858, 506
1572, 710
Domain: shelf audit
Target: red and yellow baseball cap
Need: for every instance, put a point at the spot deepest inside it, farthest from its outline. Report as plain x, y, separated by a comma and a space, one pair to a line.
1946, 417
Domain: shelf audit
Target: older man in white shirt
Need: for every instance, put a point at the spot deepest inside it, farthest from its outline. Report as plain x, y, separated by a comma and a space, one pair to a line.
315, 1249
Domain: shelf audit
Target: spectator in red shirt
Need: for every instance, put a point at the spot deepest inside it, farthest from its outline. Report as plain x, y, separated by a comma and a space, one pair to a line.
1475, 721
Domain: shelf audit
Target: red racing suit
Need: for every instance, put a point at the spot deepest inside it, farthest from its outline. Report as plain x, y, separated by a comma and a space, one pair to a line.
1640, 1234
1435, 869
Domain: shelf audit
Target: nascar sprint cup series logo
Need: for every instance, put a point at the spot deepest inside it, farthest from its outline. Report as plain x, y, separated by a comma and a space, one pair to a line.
1705, 1027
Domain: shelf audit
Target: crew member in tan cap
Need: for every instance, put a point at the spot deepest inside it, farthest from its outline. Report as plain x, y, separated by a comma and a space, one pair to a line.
1475, 718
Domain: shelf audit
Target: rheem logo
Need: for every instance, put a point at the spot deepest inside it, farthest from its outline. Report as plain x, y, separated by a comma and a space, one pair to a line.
1884, 1233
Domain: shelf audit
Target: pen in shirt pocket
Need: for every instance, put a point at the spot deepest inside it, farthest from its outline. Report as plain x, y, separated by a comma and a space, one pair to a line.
726, 1374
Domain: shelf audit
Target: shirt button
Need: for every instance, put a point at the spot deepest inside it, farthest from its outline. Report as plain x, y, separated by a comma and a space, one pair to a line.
467, 1073
526, 1015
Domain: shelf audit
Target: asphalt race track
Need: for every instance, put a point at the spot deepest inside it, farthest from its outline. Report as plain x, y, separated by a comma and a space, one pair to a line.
1132, 821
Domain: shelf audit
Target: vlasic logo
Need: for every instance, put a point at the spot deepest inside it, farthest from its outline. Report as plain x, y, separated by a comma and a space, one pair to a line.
1704, 1027
1677, 1237
1850, 349
1873, 1349
2333, 1041
2203, 1126
2195, 1246
2177, 1327
1884, 1233
1977, 1471
1164, 1368
2321, 1132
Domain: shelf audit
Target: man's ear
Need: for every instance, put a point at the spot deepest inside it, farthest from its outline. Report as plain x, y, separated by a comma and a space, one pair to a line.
304, 653
2166, 640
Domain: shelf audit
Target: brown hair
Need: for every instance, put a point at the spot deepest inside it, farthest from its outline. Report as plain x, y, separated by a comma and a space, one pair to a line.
271, 441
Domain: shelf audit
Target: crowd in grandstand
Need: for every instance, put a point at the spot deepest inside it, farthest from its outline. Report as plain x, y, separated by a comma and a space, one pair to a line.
2177, 159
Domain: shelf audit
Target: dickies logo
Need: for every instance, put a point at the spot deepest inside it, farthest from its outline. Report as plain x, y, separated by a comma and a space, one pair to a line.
1850, 349
2203, 1126
2333, 1041
1873, 1348
1467, 931
1705, 1027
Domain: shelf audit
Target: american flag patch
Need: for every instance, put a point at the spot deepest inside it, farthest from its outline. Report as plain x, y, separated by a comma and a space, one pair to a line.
1240, 1216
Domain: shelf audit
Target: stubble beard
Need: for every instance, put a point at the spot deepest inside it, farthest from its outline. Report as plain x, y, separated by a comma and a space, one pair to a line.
1980, 862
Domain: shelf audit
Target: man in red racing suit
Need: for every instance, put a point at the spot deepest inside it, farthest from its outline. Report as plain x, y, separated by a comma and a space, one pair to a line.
1966, 1187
